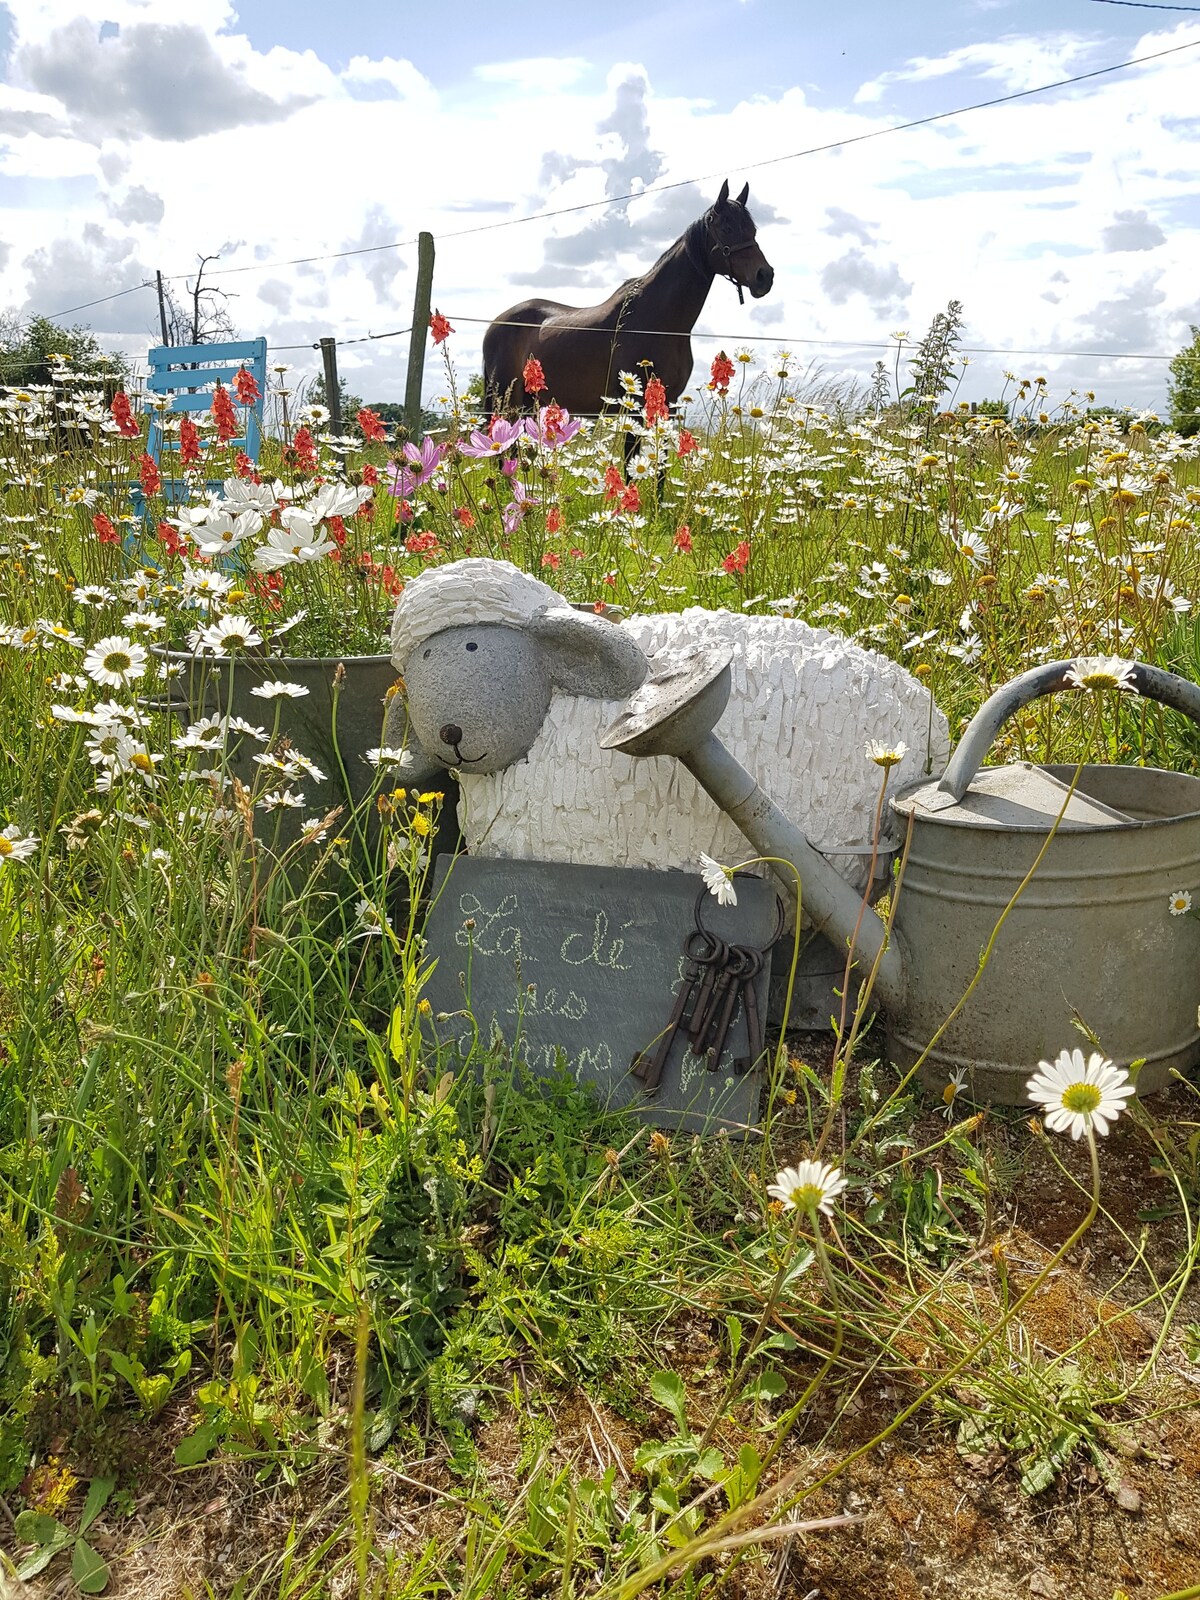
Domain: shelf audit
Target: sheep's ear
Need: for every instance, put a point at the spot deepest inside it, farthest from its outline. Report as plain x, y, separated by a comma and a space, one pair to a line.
587, 655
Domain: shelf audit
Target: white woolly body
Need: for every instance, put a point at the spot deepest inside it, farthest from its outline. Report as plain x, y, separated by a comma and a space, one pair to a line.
804, 705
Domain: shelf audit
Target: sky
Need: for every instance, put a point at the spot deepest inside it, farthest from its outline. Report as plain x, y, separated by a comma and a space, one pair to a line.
137, 135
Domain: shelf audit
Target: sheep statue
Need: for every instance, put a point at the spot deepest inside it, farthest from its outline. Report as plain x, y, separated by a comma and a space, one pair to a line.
512, 686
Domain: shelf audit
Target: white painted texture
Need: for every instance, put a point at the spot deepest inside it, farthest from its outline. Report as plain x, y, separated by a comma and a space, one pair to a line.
805, 703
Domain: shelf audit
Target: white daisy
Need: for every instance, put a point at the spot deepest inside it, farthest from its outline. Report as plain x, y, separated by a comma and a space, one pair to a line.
1179, 902
15, 845
1102, 672
115, 661
718, 880
1077, 1095
886, 755
228, 636
276, 688
280, 800
951, 1092
812, 1186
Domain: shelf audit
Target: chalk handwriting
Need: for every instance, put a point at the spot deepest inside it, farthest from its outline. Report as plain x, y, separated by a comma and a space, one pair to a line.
576, 951
496, 933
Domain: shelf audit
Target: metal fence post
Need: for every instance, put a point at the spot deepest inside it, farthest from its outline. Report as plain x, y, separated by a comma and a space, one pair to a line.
333, 389
416, 342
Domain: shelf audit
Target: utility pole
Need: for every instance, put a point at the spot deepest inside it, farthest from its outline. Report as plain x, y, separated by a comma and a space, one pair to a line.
162, 309
416, 341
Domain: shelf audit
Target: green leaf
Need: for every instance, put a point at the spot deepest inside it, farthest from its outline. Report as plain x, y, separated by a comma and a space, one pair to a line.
197, 1446
733, 1326
89, 1570
97, 1498
667, 1388
41, 1557
711, 1464
36, 1527
767, 1385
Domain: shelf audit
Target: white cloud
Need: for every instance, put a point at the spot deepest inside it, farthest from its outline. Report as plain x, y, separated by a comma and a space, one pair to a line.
994, 209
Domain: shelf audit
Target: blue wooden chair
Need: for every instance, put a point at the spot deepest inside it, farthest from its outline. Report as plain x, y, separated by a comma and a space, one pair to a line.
189, 373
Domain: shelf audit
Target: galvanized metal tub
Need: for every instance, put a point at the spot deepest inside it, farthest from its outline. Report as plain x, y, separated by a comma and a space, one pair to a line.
1092, 936
333, 724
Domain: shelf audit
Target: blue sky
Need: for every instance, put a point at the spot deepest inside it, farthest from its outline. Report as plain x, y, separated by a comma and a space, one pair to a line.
135, 134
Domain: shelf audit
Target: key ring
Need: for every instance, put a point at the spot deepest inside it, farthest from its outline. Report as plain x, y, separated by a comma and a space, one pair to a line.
780, 914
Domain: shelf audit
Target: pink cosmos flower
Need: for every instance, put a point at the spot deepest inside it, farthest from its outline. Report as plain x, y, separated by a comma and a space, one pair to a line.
497, 439
517, 506
552, 426
423, 460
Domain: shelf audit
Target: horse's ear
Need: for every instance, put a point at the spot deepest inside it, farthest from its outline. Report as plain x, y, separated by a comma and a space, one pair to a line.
724, 194
745, 195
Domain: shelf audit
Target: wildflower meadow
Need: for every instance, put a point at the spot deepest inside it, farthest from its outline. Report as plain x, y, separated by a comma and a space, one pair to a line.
295, 1303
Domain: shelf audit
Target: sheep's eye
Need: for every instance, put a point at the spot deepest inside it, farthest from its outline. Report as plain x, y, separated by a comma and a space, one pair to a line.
472, 647
425, 655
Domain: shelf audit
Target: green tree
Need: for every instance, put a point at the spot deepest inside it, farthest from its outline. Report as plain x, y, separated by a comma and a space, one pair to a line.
1183, 390
26, 348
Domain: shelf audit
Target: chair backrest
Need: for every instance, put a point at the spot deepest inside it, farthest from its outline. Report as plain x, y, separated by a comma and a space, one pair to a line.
189, 373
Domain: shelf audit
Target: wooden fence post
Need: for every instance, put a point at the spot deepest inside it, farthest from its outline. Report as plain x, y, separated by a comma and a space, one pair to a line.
333, 389
416, 342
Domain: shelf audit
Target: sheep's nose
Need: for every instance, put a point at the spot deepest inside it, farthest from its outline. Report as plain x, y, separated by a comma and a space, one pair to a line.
451, 734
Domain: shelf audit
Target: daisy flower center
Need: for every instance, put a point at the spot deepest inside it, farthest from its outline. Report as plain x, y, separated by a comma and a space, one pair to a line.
117, 661
1099, 680
807, 1196
6, 846
1081, 1097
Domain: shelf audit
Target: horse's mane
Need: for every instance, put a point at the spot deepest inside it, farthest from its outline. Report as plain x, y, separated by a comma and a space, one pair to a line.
693, 239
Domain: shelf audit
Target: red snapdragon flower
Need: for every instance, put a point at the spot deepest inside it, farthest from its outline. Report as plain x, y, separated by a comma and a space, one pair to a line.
189, 442
722, 373
245, 386
122, 414
366, 512
465, 516
224, 415
304, 451
372, 427
151, 478
370, 475
614, 483
439, 327
631, 500
422, 544
738, 560
654, 406
244, 468
267, 586
555, 521
683, 539
104, 529
552, 559
687, 442
171, 539
336, 529
533, 376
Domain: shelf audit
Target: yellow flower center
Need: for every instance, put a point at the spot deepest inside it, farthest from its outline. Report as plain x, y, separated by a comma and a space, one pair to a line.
6, 846
1099, 680
141, 761
807, 1196
1081, 1097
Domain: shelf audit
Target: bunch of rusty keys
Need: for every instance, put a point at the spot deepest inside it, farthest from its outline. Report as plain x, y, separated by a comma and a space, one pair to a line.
716, 976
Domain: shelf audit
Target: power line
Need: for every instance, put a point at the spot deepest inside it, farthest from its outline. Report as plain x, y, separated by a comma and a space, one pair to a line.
1147, 5
103, 301
683, 183
852, 344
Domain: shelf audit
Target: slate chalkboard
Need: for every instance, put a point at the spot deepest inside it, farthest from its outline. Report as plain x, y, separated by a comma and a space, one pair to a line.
584, 964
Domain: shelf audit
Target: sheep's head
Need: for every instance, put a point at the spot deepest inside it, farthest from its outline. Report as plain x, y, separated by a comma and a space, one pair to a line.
478, 691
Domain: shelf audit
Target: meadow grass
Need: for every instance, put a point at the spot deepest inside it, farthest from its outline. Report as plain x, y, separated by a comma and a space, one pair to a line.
254, 1228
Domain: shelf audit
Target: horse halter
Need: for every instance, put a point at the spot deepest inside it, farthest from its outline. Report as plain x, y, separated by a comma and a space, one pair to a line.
728, 251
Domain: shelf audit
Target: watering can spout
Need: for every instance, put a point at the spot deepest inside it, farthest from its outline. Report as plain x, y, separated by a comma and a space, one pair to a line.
674, 713
828, 901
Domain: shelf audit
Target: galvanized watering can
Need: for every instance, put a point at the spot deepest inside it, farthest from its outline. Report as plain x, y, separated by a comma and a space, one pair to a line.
1089, 939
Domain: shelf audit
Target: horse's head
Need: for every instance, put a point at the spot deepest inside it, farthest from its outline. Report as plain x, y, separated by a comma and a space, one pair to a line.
733, 243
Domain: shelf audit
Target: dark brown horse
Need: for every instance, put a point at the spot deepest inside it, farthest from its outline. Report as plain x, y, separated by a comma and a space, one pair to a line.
647, 319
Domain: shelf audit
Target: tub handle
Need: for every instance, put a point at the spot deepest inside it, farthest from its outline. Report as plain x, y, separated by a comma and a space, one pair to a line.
1151, 683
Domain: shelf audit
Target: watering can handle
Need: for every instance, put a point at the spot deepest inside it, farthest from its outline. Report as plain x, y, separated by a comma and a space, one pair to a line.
1152, 683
